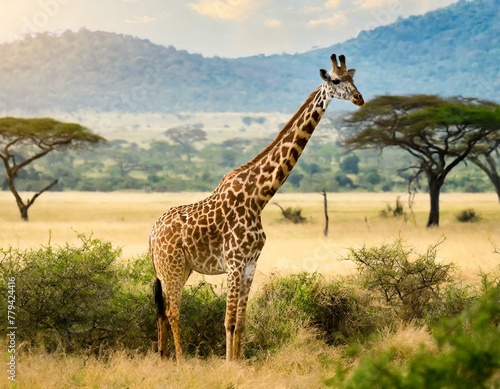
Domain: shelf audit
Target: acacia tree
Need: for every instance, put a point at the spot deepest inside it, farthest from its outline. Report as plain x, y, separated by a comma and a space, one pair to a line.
439, 133
23, 141
185, 136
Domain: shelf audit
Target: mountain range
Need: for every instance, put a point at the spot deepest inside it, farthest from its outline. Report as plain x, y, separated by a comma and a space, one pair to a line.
450, 51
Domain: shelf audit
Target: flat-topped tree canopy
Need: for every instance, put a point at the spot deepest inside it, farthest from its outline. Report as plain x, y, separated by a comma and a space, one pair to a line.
24, 140
438, 132
46, 130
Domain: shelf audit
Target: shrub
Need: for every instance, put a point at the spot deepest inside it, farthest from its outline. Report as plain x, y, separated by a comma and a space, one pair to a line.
468, 216
343, 313
202, 320
398, 210
292, 214
72, 298
82, 299
277, 312
451, 300
135, 309
492, 279
468, 355
336, 310
409, 285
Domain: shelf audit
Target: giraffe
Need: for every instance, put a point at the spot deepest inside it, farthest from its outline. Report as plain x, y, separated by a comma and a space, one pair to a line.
223, 233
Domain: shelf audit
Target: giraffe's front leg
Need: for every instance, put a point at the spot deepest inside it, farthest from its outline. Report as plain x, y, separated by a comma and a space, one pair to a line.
242, 306
231, 308
239, 283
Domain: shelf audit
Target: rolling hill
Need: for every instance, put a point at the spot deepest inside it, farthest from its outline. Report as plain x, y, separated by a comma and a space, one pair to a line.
450, 51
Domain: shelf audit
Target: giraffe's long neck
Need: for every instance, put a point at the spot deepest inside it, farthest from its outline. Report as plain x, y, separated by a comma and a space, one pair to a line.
261, 177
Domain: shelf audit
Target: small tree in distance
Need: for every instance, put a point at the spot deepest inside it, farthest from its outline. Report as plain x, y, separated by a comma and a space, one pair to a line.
185, 136
23, 141
439, 133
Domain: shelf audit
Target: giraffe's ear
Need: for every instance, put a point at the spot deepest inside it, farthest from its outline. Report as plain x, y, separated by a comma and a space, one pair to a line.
351, 72
324, 74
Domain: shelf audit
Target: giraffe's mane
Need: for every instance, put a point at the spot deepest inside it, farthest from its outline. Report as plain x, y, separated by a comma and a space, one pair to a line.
283, 132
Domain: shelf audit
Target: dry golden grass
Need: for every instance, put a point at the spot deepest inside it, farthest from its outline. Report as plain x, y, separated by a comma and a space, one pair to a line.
303, 364
405, 341
125, 219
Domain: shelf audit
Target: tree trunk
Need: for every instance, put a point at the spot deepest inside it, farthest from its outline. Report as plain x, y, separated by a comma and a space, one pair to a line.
435, 184
494, 178
24, 212
23, 207
490, 169
496, 184
325, 205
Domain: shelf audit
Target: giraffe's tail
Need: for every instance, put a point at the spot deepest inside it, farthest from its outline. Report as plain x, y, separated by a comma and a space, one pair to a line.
159, 298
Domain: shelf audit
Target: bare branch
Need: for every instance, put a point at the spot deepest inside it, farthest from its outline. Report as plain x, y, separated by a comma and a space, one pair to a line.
32, 200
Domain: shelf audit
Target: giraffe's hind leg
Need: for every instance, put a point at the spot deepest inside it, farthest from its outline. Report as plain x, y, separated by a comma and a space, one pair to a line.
163, 330
173, 292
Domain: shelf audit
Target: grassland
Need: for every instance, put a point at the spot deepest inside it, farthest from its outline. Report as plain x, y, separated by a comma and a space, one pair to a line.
125, 219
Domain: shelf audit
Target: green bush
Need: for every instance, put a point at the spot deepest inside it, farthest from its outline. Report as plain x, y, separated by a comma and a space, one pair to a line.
468, 215
343, 313
335, 309
492, 279
202, 320
278, 312
84, 298
73, 298
451, 300
468, 355
408, 282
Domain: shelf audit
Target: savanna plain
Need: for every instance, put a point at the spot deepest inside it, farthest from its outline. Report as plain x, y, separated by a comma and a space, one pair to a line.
355, 220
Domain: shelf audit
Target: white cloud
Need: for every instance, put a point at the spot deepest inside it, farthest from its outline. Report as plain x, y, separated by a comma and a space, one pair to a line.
332, 4
225, 9
140, 20
372, 4
317, 8
274, 23
338, 18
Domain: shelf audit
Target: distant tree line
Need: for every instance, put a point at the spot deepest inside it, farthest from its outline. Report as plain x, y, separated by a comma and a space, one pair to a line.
453, 142
172, 163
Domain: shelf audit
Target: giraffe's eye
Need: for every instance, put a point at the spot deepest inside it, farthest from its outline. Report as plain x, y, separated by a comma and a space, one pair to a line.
336, 81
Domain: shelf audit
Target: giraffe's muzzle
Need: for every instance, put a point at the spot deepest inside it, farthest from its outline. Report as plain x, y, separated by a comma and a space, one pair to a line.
357, 99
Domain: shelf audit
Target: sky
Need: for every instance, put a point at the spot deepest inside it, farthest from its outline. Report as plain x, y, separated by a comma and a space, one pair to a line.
226, 28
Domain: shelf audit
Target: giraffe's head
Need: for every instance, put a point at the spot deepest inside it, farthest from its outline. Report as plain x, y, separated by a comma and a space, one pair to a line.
339, 82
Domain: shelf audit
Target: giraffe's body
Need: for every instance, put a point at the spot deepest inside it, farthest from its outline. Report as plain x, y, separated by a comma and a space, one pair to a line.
223, 233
